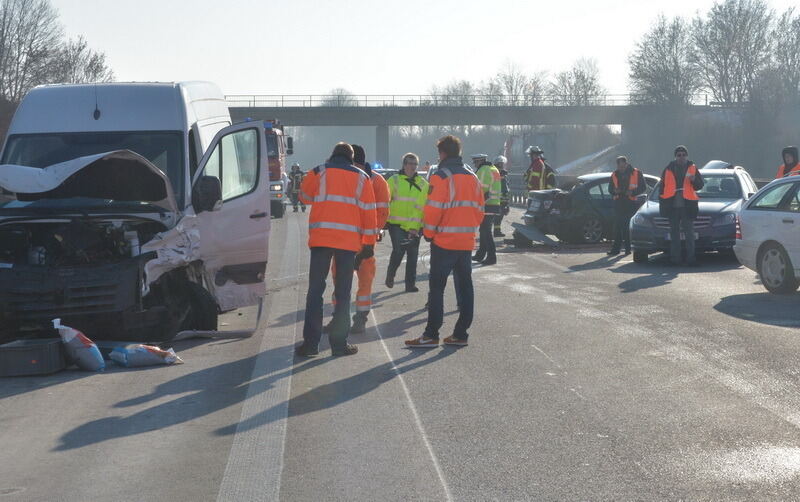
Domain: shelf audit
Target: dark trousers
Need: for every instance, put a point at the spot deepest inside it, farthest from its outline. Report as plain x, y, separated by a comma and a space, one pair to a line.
317, 277
681, 221
486, 247
622, 227
443, 262
403, 244
296, 199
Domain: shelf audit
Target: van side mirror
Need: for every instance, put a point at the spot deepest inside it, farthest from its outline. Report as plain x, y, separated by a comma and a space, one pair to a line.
289, 145
207, 194
750, 195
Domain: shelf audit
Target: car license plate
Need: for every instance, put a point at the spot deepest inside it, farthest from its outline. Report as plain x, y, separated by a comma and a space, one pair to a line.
683, 236
555, 211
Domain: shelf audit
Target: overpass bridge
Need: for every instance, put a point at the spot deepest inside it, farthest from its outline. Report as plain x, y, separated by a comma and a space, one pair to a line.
384, 111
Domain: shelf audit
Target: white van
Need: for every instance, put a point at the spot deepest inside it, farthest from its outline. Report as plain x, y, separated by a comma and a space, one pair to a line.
131, 211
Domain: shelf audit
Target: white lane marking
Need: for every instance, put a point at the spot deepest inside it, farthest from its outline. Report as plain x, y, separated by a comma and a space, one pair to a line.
546, 356
255, 462
415, 413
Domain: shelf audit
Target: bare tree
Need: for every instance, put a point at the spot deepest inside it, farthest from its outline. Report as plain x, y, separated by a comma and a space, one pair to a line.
30, 35
786, 53
457, 93
339, 97
76, 63
513, 82
537, 88
661, 67
733, 46
580, 85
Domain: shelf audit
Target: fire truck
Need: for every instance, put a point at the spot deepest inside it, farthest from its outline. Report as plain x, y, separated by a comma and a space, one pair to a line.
279, 146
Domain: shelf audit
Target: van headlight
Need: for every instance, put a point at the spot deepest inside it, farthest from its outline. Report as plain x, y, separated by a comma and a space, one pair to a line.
642, 221
725, 219
277, 187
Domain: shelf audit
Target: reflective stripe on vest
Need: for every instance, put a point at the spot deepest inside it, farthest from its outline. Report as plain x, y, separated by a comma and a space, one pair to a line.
633, 183
452, 230
341, 226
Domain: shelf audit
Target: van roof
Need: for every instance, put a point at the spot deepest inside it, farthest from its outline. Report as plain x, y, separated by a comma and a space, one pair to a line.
122, 106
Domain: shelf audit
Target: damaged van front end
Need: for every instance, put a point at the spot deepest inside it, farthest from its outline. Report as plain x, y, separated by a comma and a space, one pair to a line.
99, 242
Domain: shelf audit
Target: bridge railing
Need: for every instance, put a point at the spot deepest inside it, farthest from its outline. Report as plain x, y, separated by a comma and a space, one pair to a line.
377, 100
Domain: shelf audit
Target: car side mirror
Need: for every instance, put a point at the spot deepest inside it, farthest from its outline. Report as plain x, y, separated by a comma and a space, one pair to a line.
207, 194
289, 145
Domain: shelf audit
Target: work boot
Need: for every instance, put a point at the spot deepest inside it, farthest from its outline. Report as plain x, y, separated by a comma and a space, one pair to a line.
389, 281
304, 351
295, 209
478, 259
304, 209
347, 350
489, 261
359, 325
498, 233
412, 289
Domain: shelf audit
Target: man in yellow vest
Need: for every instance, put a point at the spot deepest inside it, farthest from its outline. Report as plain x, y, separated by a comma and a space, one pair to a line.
408, 192
489, 177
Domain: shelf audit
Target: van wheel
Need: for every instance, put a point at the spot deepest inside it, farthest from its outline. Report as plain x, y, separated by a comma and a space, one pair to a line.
640, 257
203, 310
776, 270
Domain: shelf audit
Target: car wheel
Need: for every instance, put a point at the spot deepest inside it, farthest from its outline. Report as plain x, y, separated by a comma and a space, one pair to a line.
776, 270
640, 257
592, 230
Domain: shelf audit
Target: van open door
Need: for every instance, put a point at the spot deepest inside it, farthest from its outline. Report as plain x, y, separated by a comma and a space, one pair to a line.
230, 197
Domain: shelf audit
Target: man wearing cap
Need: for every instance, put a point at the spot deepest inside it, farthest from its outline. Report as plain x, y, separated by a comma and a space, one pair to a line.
678, 201
489, 177
540, 176
500, 164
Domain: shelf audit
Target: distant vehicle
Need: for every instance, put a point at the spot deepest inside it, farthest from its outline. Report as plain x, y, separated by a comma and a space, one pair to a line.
582, 214
130, 211
278, 147
768, 235
726, 188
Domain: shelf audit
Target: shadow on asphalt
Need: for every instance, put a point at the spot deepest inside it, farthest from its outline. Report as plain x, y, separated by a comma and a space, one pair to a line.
341, 391
763, 308
659, 271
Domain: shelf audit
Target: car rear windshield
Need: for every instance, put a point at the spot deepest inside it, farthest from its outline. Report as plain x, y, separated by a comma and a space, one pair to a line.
163, 149
717, 186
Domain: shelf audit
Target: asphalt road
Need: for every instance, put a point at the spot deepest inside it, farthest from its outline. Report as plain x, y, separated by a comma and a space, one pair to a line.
586, 378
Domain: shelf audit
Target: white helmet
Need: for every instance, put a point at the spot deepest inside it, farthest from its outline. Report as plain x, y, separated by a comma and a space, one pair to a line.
500, 160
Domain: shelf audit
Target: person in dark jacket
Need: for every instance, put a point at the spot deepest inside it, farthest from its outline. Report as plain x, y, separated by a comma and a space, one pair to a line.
626, 184
500, 163
678, 200
790, 167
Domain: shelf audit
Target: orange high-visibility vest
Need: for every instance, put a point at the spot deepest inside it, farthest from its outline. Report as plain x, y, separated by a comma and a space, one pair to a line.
633, 184
671, 187
382, 197
343, 214
782, 172
454, 209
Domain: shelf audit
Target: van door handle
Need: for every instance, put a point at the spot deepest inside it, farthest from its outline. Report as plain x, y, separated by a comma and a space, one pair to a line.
257, 216
788, 220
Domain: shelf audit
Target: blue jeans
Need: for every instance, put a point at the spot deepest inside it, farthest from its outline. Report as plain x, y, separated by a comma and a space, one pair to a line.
317, 277
443, 262
681, 222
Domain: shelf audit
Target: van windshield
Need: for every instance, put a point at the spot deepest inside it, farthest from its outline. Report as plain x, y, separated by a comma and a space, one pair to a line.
163, 149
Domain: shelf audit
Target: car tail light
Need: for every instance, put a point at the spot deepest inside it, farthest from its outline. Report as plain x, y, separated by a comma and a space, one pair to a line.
738, 228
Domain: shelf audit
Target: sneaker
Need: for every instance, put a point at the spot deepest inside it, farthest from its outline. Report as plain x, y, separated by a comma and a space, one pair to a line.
412, 289
389, 282
453, 340
304, 351
422, 342
359, 326
347, 350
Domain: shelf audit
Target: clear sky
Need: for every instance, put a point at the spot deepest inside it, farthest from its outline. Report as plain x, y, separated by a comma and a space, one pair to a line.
365, 46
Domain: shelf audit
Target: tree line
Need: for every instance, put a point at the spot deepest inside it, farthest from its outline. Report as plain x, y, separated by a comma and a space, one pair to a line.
35, 51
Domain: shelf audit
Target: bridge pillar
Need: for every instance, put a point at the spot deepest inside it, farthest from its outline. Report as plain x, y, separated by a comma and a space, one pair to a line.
382, 145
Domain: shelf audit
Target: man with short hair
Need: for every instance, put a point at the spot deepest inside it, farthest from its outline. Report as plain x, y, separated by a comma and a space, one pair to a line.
678, 201
489, 177
790, 165
626, 184
453, 212
539, 176
342, 228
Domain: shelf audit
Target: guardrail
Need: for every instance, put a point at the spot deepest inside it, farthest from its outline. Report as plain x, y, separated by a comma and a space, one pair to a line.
378, 100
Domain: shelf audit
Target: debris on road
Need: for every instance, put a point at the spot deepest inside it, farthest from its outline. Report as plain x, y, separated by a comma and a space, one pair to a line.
31, 357
79, 349
138, 355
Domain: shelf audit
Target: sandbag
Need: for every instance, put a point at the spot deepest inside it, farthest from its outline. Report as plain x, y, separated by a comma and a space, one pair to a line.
79, 349
137, 355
